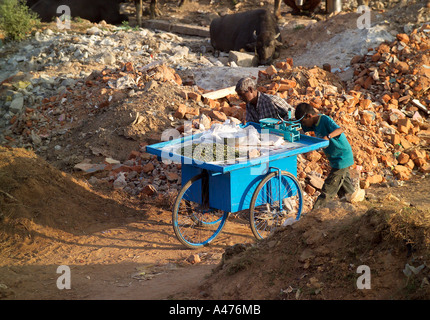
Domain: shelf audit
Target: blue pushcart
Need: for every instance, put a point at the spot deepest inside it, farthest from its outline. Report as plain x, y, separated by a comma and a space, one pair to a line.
266, 186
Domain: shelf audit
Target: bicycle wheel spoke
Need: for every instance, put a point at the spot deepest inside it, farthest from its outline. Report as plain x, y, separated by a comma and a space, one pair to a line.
275, 200
195, 224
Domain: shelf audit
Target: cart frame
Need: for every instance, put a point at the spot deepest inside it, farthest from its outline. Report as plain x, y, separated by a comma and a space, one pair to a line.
231, 188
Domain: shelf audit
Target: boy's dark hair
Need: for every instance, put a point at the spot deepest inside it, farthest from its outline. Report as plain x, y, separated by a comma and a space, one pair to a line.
303, 109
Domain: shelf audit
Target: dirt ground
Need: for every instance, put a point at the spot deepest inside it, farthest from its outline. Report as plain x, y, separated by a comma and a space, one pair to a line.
122, 247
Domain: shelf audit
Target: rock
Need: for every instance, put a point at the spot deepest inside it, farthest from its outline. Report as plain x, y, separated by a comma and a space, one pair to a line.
403, 158
357, 196
181, 111
217, 115
194, 258
109, 58
316, 181
403, 38
425, 168
403, 67
243, 59
35, 138
271, 70
375, 179
205, 121
147, 168
17, 105
402, 172
120, 182
171, 176
93, 31
149, 190
310, 190
313, 156
307, 254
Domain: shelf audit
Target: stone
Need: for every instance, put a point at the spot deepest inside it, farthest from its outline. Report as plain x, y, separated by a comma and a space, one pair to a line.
171, 176
425, 168
403, 125
149, 167
310, 190
217, 115
403, 158
109, 58
93, 31
120, 182
357, 196
313, 156
271, 70
243, 59
316, 181
403, 67
148, 190
375, 179
403, 38
194, 96
181, 111
205, 121
17, 105
194, 258
402, 172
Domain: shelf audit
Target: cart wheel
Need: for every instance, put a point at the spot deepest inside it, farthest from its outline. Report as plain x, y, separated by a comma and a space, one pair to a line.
194, 223
265, 212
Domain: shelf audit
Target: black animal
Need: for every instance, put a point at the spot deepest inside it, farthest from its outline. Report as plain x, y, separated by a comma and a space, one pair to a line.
255, 30
93, 10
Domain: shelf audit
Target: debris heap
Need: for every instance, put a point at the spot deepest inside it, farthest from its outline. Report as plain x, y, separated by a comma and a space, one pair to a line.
383, 108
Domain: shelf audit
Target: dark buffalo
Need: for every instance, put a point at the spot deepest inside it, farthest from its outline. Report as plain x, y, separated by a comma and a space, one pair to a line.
93, 10
254, 30
308, 5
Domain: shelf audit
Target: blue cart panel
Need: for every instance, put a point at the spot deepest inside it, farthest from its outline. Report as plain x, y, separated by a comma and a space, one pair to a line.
232, 185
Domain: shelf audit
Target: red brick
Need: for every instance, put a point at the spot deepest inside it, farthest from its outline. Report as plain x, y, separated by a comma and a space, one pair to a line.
271, 70
403, 158
194, 96
147, 168
310, 190
403, 37
181, 111
217, 115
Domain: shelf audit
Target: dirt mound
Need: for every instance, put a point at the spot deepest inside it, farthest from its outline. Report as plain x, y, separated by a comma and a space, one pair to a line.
38, 200
318, 258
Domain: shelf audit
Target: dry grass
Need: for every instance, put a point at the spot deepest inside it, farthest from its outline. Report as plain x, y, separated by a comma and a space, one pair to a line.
411, 225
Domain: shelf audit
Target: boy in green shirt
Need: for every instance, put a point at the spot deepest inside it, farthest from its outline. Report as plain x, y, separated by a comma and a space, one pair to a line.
338, 152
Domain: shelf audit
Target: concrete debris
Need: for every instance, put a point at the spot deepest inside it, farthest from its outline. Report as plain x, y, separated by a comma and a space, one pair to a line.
382, 105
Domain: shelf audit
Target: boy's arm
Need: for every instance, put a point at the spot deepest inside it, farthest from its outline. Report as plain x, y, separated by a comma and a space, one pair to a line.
333, 134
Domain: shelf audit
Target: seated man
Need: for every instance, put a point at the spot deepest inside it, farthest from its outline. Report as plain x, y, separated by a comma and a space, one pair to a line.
261, 105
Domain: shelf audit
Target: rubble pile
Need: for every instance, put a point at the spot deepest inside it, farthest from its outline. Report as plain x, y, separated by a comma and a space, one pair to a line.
378, 110
383, 108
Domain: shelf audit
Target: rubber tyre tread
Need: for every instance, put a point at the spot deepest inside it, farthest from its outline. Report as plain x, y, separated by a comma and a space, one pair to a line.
175, 212
257, 191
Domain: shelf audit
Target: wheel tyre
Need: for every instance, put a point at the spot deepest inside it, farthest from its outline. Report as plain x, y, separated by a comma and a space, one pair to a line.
252, 213
179, 230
